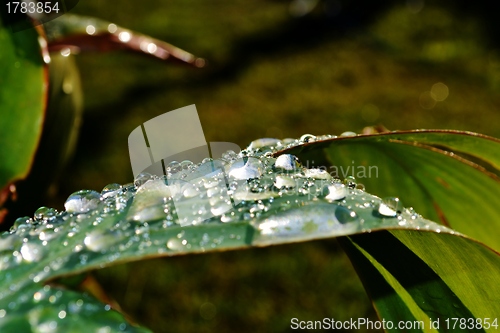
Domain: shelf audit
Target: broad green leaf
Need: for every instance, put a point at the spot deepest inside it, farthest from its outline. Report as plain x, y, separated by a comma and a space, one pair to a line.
439, 184
408, 273
23, 94
222, 205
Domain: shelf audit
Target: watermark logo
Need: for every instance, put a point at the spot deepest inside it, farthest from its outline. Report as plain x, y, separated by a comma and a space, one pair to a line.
173, 136
25, 14
161, 144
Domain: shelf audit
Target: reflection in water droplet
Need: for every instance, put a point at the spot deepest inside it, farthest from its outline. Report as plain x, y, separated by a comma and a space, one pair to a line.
246, 168
110, 190
335, 191
284, 182
390, 207
287, 162
307, 138
44, 214
350, 182
82, 201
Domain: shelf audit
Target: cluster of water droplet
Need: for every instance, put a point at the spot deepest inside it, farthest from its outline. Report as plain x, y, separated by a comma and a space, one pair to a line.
258, 189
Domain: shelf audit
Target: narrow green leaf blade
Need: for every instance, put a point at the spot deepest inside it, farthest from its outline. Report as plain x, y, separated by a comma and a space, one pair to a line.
463, 285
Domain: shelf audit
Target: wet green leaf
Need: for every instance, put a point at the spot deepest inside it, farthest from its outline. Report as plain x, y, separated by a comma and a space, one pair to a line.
426, 276
424, 169
407, 262
23, 79
53, 309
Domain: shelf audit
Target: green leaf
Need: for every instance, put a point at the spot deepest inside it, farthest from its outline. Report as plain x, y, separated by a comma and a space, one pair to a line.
53, 309
409, 264
74, 33
438, 183
59, 137
23, 78
432, 276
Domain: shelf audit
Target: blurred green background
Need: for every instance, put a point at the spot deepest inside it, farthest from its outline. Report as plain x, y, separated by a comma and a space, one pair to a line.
275, 69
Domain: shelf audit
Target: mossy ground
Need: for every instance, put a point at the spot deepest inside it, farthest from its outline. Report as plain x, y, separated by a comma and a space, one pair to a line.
273, 75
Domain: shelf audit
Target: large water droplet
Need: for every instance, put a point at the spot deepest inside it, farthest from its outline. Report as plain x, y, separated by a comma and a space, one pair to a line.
97, 240
264, 142
350, 181
287, 162
335, 191
110, 190
82, 201
390, 207
284, 182
307, 138
347, 134
315, 220
246, 168
142, 178
149, 200
317, 174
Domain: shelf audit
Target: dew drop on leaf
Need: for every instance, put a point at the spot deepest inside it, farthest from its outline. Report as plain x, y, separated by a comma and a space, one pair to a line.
284, 182
82, 201
246, 168
335, 191
390, 207
350, 182
287, 162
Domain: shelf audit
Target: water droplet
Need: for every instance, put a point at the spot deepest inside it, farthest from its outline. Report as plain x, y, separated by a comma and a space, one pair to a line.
44, 214
344, 215
284, 182
317, 174
97, 240
390, 207
307, 138
82, 201
287, 162
31, 252
348, 133
322, 219
350, 182
335, 191
246, 168
264, 142
173, 167
142, 178
110, 190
